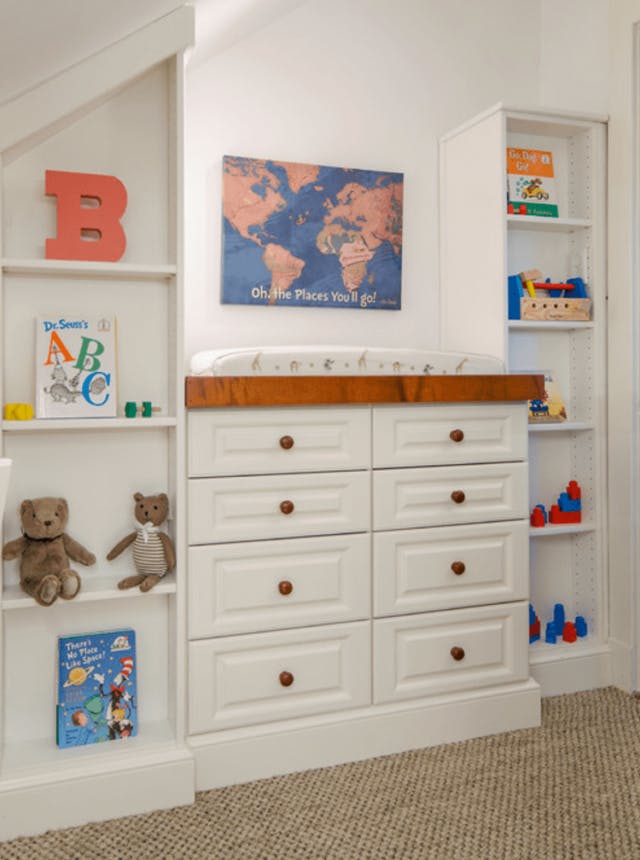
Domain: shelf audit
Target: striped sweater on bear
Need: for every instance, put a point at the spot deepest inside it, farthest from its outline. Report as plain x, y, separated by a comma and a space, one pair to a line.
148, 553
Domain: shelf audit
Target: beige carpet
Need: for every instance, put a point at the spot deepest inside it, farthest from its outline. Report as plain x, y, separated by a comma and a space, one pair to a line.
567, 791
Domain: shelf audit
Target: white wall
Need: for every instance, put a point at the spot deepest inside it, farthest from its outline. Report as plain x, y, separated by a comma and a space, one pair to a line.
573, 54
364, 83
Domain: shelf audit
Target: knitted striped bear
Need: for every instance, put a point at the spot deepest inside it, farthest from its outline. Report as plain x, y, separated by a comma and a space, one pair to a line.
153, 552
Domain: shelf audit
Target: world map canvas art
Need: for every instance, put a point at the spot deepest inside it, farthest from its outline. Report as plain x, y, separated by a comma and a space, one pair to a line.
307, 235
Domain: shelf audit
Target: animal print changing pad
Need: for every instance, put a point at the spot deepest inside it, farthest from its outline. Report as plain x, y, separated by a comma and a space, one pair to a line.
339, 361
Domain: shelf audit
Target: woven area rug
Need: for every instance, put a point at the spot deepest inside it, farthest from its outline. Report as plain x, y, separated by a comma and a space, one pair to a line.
569, 790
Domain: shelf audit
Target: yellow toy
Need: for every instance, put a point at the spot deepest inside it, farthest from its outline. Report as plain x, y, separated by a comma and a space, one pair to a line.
18, 411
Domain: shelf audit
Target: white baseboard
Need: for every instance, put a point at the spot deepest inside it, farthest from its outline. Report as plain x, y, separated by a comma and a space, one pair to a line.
622, 666
30, 807
244, 755
568, 674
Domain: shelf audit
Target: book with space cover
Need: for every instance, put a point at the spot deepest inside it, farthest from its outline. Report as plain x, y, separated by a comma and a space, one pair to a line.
75, 366
531, 183
96, 688
550, 408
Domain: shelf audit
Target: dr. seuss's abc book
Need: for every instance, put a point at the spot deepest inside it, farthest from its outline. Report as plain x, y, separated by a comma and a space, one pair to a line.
96, 688
531, 188
75, 366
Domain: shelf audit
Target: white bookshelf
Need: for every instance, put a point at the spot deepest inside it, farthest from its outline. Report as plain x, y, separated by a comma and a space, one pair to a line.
98, 464
481, 245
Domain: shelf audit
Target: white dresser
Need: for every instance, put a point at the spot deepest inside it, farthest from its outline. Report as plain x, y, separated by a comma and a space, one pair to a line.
358, 582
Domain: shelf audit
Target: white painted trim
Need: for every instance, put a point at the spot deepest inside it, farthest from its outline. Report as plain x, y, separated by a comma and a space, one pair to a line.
73, 799
622, 665
227, 758
524, 112
93, 78
573, 674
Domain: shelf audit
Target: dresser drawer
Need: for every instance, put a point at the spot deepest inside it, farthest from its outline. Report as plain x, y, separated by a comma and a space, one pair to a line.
236, 509
439, 435
443, 495
240, 680
272, 585
446, 652
271, 441
445, 568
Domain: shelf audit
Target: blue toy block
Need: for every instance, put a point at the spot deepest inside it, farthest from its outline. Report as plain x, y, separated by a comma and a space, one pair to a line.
580, 289
581, 625
550, 634
558, 617
515, 293
532, 614
565, 503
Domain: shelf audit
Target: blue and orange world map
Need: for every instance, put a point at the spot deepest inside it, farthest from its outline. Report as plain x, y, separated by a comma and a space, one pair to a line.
307, 235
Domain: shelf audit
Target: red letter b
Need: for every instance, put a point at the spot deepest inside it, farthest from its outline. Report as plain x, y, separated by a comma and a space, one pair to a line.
87, 232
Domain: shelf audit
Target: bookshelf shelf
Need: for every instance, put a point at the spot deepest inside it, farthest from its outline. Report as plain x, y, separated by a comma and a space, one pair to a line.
94, 588
82, 269
53, 425
547, 225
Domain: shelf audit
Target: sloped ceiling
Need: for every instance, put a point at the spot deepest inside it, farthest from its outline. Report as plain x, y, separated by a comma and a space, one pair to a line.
39, 38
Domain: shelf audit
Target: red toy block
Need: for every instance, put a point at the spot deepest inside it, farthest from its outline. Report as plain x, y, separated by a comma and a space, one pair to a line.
537, 518
569, 633
534, 629
557, 517
510, 208
573, 490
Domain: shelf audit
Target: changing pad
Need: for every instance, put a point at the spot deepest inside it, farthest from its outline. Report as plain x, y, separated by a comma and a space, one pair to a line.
339, 361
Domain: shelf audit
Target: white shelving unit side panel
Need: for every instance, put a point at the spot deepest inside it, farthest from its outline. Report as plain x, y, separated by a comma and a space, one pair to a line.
473, 238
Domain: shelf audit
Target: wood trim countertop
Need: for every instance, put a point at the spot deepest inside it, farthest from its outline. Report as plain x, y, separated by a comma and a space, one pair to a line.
206, 392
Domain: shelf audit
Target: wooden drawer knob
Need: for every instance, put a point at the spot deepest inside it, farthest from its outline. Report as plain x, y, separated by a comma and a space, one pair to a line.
458, 568
457, 653
286, 507
456, 435
285, 587
286, 442
458, 497
286, 679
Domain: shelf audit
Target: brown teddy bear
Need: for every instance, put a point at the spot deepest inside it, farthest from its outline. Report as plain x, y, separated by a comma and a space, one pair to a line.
153, 552
44, 551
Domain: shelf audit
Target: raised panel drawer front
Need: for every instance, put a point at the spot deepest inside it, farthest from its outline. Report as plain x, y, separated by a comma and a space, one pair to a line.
439, 435
240, 680
236, 509
444, 568
271, 441
446, 652
271, 585
444, 495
